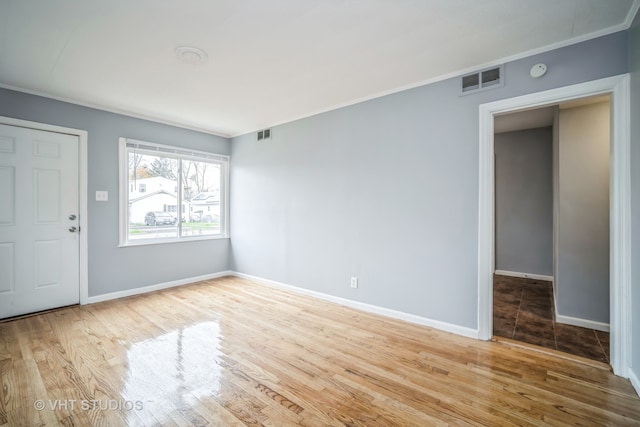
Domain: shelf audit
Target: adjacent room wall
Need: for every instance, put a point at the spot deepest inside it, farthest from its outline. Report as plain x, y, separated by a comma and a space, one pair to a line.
524, 201
556, 197
582, 281
635, 200
113, 269
385, 190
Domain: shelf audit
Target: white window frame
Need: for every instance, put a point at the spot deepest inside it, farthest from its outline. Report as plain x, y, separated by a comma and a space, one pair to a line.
176, 153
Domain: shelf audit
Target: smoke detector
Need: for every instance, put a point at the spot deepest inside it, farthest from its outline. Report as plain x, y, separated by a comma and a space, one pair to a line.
191, 55
538, 71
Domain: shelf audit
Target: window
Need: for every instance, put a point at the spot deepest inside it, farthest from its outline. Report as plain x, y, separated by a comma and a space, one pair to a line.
167, 177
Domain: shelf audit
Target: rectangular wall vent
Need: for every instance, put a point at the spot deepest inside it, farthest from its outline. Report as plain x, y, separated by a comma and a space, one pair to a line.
471, 82
490, 77
483, 79
264, 134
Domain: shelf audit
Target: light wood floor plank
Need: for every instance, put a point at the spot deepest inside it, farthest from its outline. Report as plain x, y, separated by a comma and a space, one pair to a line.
229, 352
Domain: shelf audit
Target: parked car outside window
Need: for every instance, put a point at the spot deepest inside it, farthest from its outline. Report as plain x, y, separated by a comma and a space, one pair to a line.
159, 218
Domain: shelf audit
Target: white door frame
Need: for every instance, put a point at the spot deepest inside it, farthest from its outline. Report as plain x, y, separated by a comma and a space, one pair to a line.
82, 191
620, 206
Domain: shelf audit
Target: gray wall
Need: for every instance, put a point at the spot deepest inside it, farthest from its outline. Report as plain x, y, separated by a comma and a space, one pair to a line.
111, 268
582, 281
524, 201
635, 196
386, 190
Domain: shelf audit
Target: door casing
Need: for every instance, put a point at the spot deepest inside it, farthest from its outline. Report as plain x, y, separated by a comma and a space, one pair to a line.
82, 191
620, 206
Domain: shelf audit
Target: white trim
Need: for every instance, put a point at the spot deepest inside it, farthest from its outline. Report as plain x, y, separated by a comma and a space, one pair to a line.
635, 381
123, 198
369, 308
620, 246
155, 149
583, 323
457, 73
82, 192
620, 234
632, 14
554, 293
84, 215
225, 223
169, 241
486, 235
180, 154
524, 275
116, 110
157, 287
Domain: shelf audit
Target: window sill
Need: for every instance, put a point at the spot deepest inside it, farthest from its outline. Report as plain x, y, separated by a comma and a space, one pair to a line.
142, 242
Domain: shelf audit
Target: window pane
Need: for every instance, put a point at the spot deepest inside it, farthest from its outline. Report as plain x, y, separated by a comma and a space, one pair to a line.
201, 182
170, 193
153, 198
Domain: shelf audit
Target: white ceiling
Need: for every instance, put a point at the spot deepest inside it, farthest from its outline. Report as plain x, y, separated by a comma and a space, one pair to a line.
271, 61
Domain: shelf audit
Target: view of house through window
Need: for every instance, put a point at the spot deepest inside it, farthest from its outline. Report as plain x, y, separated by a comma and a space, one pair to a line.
172, 193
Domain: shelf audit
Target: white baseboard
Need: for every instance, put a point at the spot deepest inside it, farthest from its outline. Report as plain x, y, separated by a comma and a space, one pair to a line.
436, 324
151, 288
635, 381
555, 301
524, 275
568, 320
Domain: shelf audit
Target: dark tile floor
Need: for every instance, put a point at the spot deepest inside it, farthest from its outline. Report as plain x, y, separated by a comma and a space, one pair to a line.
523, 311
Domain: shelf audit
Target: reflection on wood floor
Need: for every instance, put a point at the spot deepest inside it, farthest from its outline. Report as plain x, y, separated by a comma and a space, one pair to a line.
523, 311
229, 352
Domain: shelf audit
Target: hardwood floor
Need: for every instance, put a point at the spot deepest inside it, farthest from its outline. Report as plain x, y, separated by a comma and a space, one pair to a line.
523, 311
229, 352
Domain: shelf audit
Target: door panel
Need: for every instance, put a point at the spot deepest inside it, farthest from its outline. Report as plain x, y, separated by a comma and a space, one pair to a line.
7, 189
7, 144
7, 265
46, 196
47, 262
39, 255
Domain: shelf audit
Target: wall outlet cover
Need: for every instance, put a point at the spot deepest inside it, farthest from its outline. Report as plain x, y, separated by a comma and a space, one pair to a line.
102, 196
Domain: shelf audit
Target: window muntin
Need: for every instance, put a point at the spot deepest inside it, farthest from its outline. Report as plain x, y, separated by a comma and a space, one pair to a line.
160, 178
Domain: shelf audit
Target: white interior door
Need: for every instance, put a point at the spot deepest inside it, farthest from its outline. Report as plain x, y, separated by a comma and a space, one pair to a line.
39, 226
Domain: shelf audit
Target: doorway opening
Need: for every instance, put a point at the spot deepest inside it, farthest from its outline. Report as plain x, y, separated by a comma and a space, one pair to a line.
619, 208
551, 282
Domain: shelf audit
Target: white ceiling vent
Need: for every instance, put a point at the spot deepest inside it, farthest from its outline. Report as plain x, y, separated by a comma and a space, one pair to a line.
264, 134
481, 80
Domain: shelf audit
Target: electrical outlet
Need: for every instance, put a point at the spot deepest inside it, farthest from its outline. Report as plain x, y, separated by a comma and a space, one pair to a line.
354, 282
102, 196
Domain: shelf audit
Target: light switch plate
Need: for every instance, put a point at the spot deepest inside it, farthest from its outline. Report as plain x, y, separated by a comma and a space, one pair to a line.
102, 196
